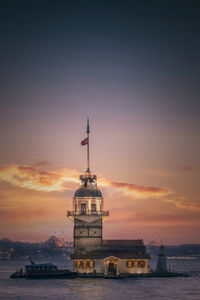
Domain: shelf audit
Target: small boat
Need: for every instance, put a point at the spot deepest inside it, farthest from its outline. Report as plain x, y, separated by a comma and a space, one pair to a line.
43, 271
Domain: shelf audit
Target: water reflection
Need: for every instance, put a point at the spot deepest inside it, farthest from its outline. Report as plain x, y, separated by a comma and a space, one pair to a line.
186, 288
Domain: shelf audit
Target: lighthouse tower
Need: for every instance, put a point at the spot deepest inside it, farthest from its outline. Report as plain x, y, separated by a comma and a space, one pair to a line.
161, 266
87, 213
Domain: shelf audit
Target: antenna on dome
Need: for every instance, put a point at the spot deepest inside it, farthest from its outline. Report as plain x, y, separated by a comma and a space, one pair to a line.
88, 149
86, 142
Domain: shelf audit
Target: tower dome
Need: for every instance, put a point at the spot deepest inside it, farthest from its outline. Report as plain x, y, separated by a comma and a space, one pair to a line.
88, 187
84, 192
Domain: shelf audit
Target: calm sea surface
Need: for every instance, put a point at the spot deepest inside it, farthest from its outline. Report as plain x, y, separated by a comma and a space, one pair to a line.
183, 288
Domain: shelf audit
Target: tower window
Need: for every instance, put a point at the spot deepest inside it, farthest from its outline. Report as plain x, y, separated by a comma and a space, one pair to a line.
93, 207
83, 208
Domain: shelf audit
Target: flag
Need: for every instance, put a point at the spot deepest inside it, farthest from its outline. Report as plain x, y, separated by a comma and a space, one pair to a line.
84, 142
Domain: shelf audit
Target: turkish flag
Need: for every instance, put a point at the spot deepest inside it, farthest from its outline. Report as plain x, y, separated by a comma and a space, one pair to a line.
84, 142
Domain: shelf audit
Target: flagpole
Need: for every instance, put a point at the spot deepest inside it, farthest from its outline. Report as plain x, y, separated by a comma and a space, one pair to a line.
88, 149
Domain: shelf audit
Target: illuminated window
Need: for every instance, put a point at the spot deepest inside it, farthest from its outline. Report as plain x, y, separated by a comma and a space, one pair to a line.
77, 263
130, 263
83, 208
87, 264
91, 264
84, 264
141, 263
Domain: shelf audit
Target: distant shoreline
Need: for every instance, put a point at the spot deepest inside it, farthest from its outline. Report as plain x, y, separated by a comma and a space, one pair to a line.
56, 247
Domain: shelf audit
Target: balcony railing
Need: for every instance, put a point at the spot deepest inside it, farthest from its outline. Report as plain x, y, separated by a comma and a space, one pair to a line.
73, 213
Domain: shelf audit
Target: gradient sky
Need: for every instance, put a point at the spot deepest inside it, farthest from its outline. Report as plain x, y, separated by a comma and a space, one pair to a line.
133, 68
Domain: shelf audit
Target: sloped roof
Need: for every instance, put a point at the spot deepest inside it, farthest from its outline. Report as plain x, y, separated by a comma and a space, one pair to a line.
123, 243
41, 265
106, 254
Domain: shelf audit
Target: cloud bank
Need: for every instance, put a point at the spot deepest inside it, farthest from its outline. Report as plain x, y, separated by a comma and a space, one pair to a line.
33, 177
29, 206
134, 190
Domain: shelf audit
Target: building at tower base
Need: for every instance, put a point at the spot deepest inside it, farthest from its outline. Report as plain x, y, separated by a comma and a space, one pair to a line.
121, 260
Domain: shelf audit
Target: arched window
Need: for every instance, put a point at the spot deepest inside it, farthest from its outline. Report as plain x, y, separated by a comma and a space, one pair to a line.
93, 207
141, 263
91, 264
130, 263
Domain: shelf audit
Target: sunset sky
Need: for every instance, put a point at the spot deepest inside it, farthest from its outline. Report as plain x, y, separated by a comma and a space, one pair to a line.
133, 68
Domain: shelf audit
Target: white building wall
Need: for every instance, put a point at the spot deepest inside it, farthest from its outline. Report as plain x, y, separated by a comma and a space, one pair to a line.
123, 268
100, 267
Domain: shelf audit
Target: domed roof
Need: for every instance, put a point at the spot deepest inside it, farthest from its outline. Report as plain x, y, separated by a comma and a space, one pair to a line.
88, 192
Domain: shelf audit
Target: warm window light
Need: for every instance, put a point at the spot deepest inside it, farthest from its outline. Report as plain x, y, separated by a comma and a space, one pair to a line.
141, 264
130, 263
85, 264
91, 264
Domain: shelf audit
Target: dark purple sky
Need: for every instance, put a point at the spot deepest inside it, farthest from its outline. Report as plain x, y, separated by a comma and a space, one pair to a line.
133, 67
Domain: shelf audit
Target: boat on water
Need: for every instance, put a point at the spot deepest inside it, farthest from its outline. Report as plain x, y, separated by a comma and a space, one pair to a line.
48, 270
43, 271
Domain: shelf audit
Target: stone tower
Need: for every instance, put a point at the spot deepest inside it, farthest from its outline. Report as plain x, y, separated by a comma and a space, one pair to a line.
87, 213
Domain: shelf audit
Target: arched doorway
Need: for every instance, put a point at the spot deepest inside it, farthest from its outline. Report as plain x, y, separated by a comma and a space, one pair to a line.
111, 266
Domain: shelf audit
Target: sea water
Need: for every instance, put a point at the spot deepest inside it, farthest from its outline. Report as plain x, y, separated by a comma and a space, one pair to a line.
182, 288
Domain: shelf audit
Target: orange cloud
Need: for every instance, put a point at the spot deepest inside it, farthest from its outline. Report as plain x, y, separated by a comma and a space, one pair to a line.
36, 179
134, 190
37, 200
182, 202
32, 177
